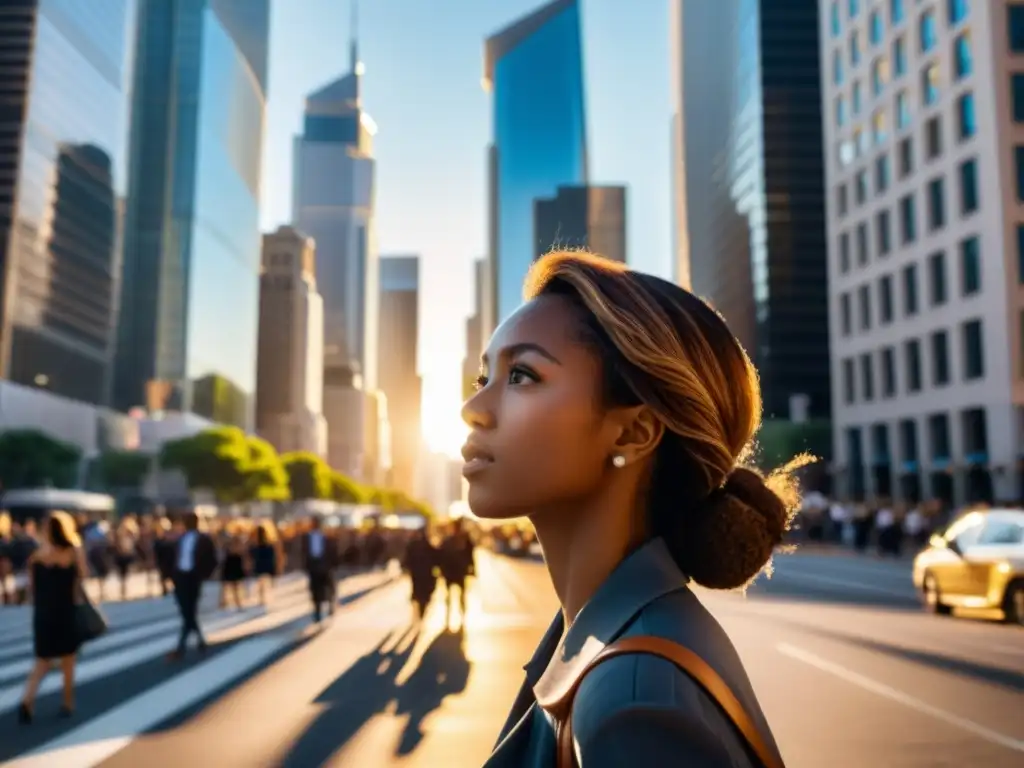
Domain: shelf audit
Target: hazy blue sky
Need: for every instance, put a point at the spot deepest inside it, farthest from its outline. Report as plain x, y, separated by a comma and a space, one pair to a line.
422, 86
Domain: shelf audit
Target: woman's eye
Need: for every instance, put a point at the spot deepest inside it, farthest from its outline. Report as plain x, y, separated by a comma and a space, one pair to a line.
520, 376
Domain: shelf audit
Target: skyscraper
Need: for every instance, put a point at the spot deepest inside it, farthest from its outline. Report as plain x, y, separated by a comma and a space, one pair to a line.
474, 330
190, 293
591, 217
399, 377
534, 69
66, 81
923, 106
290, 370
333, 202
749, 185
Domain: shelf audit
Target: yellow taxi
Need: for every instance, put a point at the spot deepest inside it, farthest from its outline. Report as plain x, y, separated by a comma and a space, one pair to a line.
976, 563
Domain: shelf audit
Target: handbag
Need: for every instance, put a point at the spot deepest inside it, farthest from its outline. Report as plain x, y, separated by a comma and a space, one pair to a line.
690, 663
89, 622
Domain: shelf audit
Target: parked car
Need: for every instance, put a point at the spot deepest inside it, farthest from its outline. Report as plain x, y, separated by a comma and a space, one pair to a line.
976, 563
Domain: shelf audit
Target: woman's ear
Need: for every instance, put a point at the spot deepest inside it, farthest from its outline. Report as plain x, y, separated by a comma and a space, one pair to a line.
640, 433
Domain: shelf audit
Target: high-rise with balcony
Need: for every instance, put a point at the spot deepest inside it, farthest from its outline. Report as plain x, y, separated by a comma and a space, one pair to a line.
190, 291
66, 82
926, 246
399, 377
534, 70
749, 186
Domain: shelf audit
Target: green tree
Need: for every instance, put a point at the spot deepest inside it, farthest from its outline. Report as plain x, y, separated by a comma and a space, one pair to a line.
32, 459
217, 459
123, 469
345, 490
265, 475
309, 477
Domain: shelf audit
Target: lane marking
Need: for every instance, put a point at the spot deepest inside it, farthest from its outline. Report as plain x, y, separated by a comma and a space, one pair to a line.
900, 697
104, 736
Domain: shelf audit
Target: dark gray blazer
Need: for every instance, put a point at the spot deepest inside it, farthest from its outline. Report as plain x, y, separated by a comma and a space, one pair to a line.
633, 710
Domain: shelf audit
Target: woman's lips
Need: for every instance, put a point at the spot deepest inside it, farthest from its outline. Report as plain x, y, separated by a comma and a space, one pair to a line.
475, 465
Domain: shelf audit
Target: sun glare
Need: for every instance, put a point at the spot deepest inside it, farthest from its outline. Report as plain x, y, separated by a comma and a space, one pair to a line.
443, 428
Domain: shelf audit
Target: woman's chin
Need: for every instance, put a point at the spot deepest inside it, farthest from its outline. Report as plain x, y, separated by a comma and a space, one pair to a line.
484, 505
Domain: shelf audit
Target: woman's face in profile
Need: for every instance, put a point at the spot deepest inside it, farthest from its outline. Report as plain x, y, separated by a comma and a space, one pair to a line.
539, 436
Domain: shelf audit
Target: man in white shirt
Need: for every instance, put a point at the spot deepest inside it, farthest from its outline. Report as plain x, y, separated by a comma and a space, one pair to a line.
320, 558
195, 562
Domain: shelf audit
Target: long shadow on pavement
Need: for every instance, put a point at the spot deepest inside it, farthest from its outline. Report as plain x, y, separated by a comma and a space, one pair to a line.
443, 670
362, 691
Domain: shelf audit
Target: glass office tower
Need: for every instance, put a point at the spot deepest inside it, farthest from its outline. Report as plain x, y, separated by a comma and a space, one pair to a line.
190, 300
535, 70
65, 81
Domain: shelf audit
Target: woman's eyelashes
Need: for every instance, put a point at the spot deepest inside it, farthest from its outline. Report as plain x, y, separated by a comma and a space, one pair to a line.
517, 376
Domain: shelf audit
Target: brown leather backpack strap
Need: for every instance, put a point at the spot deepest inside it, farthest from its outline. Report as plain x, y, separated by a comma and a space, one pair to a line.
690, 663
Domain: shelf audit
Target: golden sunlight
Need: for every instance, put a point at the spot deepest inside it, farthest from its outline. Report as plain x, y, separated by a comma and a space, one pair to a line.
443, 428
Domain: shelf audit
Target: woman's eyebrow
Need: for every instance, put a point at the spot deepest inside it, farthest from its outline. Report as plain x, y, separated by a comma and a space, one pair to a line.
514, 350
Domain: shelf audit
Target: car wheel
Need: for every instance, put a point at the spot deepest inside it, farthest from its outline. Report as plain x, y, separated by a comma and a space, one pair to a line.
1013, 603
933, 598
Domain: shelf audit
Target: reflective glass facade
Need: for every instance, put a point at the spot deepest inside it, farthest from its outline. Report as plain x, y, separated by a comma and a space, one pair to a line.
539, 134
65, 85
755, 191
189, 320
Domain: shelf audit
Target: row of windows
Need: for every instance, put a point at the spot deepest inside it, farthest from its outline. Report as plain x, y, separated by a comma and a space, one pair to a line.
861, 384
969, 279
965, 126
972, 424
936, 217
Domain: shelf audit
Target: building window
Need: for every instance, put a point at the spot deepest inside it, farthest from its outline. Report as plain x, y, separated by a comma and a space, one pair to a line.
840, 111
849, 382
854, 48
969, 187
1019, 158
932, 138
899, 57
974, 350
1020, 254
862, 244
970, 266
908, 220
912, 351
864, 306
854, 8
957, 11
845, 314
880, 127
879, 74
1015, 26
906, 157
937, 278
1017, 96
896, 11
910, 290
844, 252
867, 377
936, 204
1021, 351
885, 299
876, 27
888, 372
837, 67
908, 440
967, 125
962, 64
834, 15
938, 435
930, 84
882, 173
883, 232
841, 200
860, 185
940, 358
926, 30
902, 110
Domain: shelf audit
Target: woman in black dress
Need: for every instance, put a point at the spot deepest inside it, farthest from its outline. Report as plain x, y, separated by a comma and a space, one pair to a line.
234, 568
56, 571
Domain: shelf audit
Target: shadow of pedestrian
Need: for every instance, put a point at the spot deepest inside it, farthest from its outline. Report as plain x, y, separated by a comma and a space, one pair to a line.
443, 670
362, 691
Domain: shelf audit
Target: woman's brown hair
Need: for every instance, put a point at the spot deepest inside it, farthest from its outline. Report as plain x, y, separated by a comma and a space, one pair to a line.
62, 531
663, 347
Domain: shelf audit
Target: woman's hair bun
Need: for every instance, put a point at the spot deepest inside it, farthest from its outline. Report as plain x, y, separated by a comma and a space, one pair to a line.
729, 538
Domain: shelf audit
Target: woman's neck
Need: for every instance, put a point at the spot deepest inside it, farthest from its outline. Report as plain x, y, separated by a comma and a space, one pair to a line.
582, 547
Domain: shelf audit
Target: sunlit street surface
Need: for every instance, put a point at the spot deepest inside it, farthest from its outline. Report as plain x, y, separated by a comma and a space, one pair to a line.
849, 669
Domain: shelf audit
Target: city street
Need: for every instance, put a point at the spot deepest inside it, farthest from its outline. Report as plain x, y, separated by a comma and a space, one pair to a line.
848, 668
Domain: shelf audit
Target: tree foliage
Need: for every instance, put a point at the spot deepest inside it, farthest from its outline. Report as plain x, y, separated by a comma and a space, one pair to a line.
123, 469
309, 477
215, 460
32, 459
265, 475
345, 490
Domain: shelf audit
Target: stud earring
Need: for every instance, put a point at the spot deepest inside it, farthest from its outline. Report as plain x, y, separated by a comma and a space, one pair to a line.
618, 461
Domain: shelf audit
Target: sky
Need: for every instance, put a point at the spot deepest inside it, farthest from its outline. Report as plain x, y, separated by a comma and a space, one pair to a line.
423, 65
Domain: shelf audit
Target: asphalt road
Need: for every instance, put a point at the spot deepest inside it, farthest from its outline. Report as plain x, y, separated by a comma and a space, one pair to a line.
849, 670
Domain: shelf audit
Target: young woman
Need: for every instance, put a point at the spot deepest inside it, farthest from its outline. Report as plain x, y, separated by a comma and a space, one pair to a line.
57, 570
614, 410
